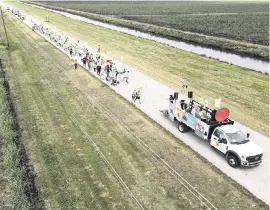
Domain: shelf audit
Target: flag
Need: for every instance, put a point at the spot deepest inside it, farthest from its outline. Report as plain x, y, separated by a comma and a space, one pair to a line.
218, 102
122, 63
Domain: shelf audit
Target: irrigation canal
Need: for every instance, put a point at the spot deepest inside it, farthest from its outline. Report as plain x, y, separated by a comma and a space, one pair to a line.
246, 62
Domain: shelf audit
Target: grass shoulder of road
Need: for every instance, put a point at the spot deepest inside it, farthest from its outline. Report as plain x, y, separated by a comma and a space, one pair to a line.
12, 180
225, 44
70, 173
245, 93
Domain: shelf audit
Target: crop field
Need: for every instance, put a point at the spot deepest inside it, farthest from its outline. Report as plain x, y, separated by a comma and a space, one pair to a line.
89, 155
234, 20
243, 27
245, 93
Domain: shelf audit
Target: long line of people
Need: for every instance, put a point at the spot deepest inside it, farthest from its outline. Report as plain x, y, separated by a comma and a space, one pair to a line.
104, 68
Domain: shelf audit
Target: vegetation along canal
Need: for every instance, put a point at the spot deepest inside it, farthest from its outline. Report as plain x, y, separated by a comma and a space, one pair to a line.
242, 61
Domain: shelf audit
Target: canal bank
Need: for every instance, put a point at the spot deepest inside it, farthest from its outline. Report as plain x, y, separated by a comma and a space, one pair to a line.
247, 62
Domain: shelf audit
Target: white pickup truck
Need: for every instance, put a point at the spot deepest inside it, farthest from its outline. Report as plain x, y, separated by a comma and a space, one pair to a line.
222, 134
237, 147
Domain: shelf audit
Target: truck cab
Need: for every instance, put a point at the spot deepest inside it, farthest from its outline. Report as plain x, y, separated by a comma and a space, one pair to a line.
15, 11
236, 146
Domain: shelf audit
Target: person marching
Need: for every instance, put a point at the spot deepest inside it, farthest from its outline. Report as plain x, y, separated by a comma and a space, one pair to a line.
89, 62
75, 64
138, 96
133, 96
70, 51
98, 67
107, 71
84, 61
126, 77
98, 53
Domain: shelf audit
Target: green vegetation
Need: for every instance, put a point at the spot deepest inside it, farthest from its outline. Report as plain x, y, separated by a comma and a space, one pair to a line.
70, 173
244, 92
252, 28
237, 22
162, 8
12, 180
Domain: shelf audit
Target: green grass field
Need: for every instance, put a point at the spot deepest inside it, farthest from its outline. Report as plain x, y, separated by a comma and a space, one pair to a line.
245, 93
12, 182
250, 27
243, 21
56, 130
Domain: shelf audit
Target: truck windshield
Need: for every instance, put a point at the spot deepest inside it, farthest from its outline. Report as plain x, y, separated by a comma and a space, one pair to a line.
237, 138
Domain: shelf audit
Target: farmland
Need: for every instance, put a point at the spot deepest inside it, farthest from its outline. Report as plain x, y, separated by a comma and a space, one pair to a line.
161, 8
56, 130
252, 28
242, 22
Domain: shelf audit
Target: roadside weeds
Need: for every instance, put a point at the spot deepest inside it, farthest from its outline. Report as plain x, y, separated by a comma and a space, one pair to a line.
15, 158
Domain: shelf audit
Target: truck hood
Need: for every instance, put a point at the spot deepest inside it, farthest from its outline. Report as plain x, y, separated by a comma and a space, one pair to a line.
247, 149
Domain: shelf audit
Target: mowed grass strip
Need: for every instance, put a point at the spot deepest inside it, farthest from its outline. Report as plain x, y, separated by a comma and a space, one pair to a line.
244, 92
12, 181
132, 175
70, 174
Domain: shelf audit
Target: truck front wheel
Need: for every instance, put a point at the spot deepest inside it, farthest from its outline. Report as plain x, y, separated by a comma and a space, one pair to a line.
233, 161
182, 127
